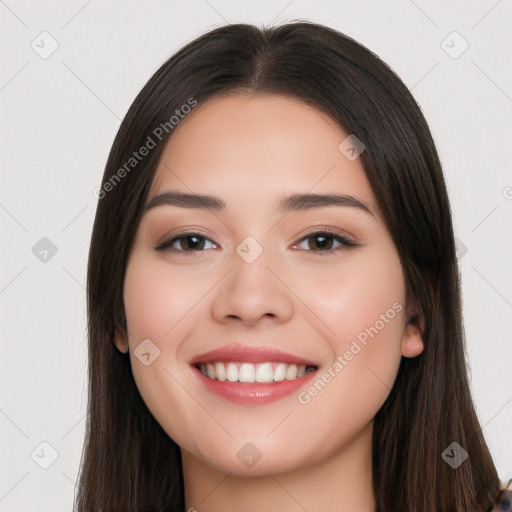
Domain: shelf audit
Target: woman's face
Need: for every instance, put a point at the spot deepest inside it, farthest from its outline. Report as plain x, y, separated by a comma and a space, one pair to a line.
314, 281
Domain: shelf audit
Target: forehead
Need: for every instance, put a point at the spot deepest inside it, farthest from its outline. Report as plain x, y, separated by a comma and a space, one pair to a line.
248, 147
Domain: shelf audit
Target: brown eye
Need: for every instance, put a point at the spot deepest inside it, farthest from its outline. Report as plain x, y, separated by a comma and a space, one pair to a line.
185, 242
323, 241
320, 241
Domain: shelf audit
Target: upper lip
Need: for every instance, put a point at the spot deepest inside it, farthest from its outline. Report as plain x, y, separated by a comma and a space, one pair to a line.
251, 354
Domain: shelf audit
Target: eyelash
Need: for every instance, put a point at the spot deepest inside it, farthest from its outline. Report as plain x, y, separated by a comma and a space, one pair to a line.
167, 243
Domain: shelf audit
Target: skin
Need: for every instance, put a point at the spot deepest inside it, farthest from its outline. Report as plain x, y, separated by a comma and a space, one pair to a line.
250, 150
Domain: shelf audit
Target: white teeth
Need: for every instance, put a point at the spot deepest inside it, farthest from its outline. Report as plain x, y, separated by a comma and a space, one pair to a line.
280, 372
291, 372
248, 372
264, 373
210, 371
220, 370
232, 372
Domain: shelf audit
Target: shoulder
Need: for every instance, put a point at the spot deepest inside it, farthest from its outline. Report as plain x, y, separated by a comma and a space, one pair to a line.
504, 501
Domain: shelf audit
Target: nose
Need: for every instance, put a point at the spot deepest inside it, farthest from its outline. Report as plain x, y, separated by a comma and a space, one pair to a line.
251, 293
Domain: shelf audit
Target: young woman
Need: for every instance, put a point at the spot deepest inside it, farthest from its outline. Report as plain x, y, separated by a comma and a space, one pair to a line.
273, 292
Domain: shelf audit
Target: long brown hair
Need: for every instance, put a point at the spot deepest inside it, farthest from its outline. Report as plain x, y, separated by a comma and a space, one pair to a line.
129, 463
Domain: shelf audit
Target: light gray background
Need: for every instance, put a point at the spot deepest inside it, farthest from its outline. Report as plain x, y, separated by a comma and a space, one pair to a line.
59, 116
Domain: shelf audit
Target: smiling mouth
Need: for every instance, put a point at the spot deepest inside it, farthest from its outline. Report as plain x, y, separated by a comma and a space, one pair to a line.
266, 372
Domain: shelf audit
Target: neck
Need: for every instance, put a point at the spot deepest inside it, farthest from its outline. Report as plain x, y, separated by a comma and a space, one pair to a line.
342, 482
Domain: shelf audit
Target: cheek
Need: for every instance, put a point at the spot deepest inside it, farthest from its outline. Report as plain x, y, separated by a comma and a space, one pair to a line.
159, 305
156, 300
355, 293
362, 303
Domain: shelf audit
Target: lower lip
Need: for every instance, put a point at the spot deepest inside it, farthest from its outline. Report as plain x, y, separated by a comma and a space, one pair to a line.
257, 393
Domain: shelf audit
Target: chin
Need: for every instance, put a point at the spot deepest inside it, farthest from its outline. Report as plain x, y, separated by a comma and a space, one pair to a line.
245, 458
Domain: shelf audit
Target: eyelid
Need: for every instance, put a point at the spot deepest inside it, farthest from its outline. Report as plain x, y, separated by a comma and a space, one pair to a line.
329, 229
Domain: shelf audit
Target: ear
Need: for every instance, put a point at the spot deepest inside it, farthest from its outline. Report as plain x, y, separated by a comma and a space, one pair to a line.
411, 344
121, 342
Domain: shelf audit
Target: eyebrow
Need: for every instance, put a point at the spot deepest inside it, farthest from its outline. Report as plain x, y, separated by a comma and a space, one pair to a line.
286, 204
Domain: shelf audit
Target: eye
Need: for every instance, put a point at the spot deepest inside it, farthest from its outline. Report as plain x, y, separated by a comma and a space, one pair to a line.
319, 242
189, 242
322, 242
